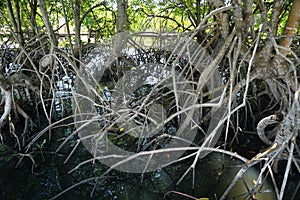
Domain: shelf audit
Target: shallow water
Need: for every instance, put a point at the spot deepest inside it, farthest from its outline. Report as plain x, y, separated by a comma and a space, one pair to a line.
212, 175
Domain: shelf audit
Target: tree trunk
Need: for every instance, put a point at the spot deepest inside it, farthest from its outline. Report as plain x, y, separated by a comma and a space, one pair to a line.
15, 22
50, 31
33, 12
223, 20
76, 15
291, 27
18, 20
67, 24
122, 16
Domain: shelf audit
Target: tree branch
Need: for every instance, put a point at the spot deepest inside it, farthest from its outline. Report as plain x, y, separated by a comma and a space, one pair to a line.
291, 27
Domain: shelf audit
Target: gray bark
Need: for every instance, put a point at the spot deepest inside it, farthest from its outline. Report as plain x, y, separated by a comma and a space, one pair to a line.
122, 15
76, 16
16, 23
50, 31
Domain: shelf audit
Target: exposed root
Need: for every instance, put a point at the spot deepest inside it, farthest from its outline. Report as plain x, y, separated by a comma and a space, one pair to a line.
6, 95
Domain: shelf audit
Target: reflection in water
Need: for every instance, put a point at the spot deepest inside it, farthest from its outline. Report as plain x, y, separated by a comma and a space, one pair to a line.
216, 173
